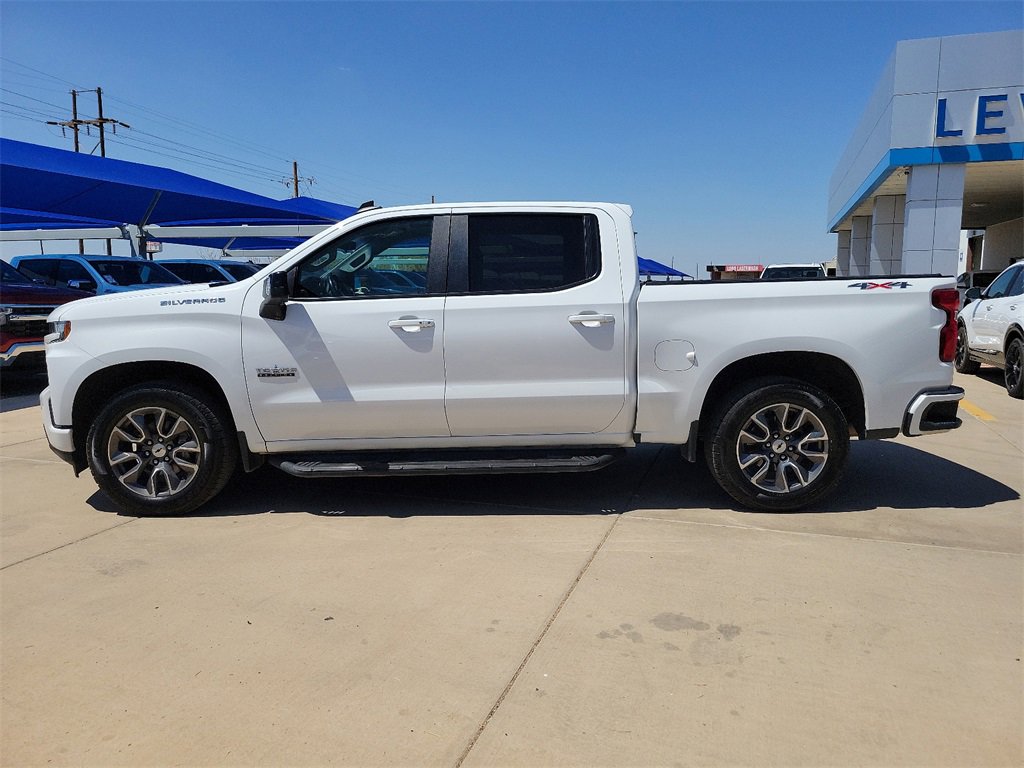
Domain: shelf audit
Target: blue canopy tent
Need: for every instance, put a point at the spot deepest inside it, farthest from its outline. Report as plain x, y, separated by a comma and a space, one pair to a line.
651, 267
46, 188
17, 218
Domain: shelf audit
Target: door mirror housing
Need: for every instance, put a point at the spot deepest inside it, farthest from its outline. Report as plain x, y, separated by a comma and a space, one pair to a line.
973, 294
275, 291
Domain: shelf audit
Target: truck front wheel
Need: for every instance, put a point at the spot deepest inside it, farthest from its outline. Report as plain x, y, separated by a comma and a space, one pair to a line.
778, 445
160, 449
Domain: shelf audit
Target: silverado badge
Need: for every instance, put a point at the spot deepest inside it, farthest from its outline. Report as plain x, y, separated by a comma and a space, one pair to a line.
277, 373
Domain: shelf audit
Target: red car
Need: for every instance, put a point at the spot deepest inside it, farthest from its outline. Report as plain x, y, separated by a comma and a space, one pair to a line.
24, 307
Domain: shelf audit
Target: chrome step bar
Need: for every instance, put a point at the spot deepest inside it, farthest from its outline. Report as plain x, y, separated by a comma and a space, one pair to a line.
343, 466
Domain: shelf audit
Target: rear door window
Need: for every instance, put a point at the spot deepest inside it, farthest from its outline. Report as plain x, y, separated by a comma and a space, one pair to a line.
529, 253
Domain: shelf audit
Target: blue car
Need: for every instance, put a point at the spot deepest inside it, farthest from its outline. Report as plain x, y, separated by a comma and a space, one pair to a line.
95, 274
210, 270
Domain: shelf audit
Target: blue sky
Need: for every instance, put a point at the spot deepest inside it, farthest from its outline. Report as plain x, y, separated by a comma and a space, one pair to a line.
720, 123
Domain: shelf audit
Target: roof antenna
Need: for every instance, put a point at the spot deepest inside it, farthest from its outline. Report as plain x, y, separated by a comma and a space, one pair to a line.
367, 206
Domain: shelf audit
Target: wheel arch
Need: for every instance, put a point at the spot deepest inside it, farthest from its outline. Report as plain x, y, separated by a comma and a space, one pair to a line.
827, 372
97, 389
1014, 332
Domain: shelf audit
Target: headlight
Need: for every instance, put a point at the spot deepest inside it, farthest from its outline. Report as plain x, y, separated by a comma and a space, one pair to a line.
59, 331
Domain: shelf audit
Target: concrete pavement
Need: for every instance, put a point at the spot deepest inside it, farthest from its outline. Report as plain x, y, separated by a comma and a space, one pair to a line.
627, 617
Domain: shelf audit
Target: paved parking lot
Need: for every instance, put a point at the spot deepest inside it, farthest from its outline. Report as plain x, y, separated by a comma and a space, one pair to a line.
627, 617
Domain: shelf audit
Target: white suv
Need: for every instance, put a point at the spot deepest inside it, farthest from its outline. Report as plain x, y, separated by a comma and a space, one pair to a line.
991, 328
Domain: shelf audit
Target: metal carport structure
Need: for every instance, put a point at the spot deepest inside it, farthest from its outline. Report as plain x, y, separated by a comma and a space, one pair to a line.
54, 194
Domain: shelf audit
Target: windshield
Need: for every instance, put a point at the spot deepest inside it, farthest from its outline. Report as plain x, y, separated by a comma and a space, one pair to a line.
240, 271
792, 272
10, 275
134, 273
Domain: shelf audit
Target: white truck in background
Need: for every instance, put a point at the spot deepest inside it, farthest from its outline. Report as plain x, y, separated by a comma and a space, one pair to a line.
491, 337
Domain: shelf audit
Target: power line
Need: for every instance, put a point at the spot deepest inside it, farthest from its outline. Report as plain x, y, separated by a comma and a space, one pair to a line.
27, 109
185, 126
132, 142
31, 98
38, 71
21, 115
136, 131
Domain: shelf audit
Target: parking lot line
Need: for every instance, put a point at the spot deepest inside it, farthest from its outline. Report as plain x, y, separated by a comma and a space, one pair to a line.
979, 413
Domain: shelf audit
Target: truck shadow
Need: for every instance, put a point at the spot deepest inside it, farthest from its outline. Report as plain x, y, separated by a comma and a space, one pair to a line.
879, 475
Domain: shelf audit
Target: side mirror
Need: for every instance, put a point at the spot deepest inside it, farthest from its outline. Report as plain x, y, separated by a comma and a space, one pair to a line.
82, 285
973, 294
275, 291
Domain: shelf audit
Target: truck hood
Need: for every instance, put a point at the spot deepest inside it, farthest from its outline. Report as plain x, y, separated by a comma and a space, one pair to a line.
43, 295
145, 296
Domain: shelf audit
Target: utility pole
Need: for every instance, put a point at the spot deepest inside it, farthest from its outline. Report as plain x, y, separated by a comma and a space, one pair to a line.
99, 119
293, 182
103, 143
100, 122
74, 117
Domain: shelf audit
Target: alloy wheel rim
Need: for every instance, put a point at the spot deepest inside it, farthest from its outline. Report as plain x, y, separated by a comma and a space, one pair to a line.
154, 452
782, 448
1013, 367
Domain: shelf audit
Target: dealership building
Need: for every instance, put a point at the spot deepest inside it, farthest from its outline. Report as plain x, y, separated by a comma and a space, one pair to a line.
932, 180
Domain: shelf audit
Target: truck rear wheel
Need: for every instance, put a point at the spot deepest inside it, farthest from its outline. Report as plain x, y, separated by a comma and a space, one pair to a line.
778, 445
160, 449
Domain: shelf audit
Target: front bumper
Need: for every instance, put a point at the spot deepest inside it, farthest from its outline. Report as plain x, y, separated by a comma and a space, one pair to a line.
60, 438
933, 410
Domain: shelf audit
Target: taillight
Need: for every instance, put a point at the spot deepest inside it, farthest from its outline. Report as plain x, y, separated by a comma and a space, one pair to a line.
948, 300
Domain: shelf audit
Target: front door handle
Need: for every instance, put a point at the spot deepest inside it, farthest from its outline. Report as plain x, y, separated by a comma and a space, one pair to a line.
410, 324
592, 320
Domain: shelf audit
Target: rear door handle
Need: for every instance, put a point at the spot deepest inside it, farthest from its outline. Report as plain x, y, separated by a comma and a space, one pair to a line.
592, 320
410, 324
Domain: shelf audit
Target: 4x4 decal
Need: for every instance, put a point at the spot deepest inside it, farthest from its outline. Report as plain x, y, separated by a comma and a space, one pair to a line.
872, 286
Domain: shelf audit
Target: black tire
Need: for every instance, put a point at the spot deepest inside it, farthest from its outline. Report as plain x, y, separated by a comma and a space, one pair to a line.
962, 362
787, 466
1013, 373
190, 454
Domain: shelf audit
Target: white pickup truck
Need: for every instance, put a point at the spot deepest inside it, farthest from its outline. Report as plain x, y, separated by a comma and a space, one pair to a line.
491, 337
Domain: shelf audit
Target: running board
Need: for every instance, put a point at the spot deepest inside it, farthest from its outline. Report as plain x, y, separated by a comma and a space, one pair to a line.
344, 466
